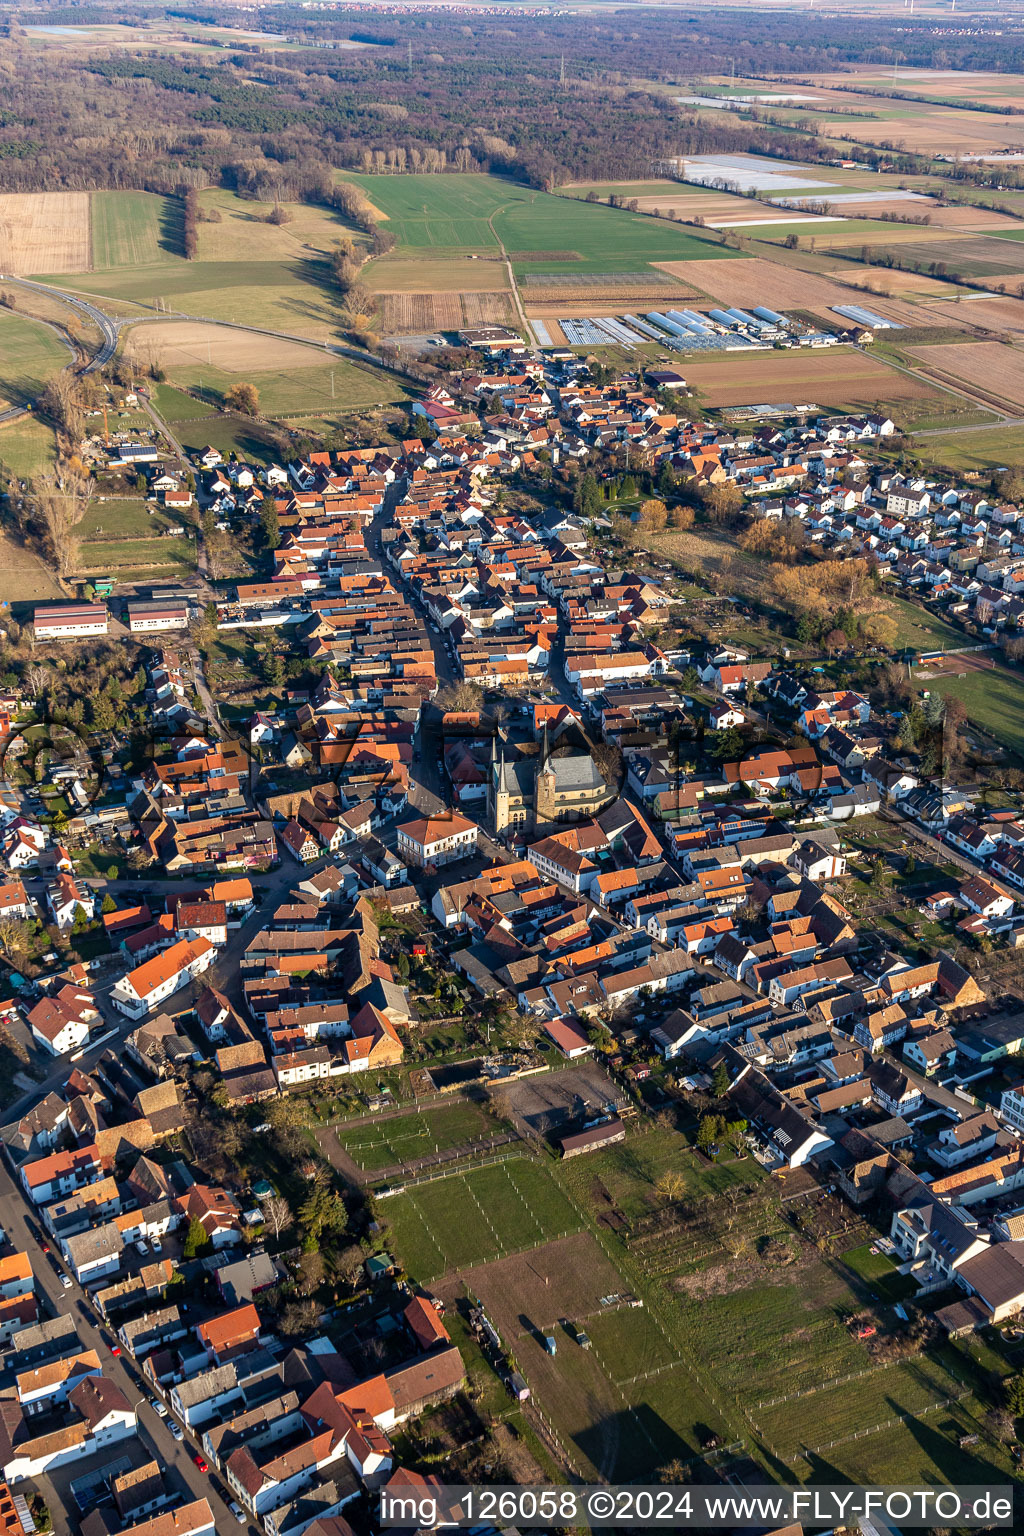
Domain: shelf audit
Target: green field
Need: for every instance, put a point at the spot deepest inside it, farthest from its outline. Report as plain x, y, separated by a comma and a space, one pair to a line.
127, 518
138, 555
983, 451
130, 229
477, 212
231, 434
338, 385
628, 1173
173, 406
919, 629
406, 1137
29, 354
27, 446
469, 1219
994, 701
290, 296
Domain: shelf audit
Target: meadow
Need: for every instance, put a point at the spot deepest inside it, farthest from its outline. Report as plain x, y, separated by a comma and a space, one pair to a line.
405, 1137
30, 353
27, 445
291, 377
539, 231
463, 1220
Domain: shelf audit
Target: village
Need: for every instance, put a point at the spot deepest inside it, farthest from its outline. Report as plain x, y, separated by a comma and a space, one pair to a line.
508, 828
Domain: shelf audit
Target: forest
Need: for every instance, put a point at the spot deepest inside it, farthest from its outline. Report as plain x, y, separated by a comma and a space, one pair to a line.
431, 91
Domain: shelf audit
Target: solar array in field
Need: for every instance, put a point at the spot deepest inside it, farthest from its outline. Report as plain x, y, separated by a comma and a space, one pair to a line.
542, 334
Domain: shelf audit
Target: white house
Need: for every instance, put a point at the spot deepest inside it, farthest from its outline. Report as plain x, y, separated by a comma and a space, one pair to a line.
156, 979
437, 840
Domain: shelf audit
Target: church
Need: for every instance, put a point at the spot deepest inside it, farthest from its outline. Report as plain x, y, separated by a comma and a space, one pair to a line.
536, 793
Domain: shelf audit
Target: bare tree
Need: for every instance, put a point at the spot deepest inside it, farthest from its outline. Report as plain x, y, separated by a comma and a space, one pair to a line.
277, 1213
61, 401
61, 496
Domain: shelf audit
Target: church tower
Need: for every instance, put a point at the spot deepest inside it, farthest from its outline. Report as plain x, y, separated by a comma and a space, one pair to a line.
544, 794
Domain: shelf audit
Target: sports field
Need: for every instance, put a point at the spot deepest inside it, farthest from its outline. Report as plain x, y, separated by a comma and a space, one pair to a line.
467, 1219
29, 354
476, 212
403, 1138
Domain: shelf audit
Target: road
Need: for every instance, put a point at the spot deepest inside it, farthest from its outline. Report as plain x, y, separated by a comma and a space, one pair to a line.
154, 1434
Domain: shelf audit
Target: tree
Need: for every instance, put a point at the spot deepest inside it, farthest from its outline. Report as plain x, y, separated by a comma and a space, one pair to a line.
722, 502
588, 497
109, 904
653, 515
671, 1186
196, 1240
273, 669
61, 495
323, 1210
61, 403
270, 527
681, 518
710, 1131
277, 1213
727, 746
243, 398
1013, 1392
720, 1083
835, 640
13, 939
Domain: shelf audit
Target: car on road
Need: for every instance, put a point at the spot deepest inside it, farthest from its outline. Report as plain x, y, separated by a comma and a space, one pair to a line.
201, 1462
176, 1430
65, 1282
236, 1512
158, 1407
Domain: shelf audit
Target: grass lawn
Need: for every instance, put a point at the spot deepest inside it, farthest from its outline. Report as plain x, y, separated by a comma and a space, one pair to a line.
27, 446
30, 353
138, 554
993, 700
406, 1137
126, 518
291, 296
130, 229
173, 406
766, 1340
628, 1172
921, 629
879, 1273
994, 449
480, 212
472, 1218
242, 233
338, 385
228, 433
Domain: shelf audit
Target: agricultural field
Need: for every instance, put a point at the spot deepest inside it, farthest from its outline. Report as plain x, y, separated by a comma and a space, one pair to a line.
418, 313
44, 232
483, 213
27, 445
167, 556
620, 1181
291, 377
23, 576
131, 229
30, 353
243, 234
457, 273
404, 1138
753, 280
173, 405
463, 1220
836, 376
991, 367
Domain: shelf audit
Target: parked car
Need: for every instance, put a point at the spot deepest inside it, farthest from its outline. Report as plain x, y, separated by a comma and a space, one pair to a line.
236, 1512
65, 1282
158, 1407
176, 1430
201, 1462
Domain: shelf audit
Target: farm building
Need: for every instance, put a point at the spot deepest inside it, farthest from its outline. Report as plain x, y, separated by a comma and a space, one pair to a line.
603, 1135
69, 621
145, 618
